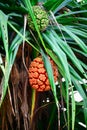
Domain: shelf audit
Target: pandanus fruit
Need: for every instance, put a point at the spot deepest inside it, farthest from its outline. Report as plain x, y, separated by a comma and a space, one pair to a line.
41, 17
38, 77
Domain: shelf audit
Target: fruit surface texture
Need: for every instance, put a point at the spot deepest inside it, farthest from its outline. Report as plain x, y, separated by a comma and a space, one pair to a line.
38, 77
41, 17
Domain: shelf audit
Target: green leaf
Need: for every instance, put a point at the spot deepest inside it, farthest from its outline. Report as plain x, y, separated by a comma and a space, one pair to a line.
25, 39
8, 66
55, 5
50, 74
55, 59
77, 32
79, 42
34, 2
74, 73
13, 8
82, 93
71, 13
17, 40
80, 52
14, 47
63, 4
63, 61
65, 47
4, 31
83, 64
59, 53
73, 110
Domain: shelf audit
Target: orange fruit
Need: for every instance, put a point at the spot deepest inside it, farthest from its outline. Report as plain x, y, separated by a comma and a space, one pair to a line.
38, 77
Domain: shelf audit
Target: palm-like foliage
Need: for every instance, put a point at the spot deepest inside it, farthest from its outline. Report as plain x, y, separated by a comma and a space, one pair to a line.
65, 41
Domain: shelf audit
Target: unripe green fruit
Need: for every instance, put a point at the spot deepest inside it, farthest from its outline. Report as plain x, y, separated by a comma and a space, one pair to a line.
41, 18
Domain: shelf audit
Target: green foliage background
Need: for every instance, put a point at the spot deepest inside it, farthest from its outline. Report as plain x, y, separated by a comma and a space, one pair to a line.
65, 41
